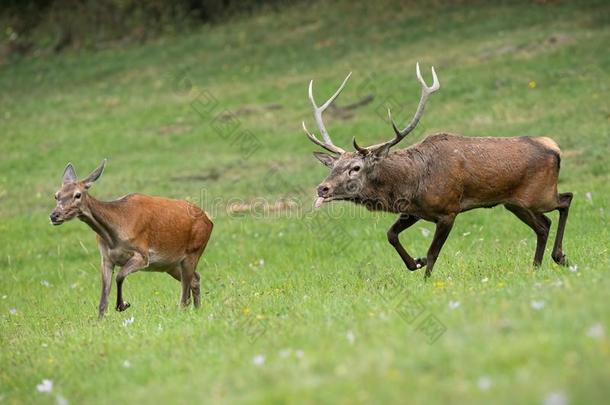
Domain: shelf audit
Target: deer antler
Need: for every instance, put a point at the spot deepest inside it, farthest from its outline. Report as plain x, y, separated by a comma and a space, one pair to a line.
317, 112
400, 134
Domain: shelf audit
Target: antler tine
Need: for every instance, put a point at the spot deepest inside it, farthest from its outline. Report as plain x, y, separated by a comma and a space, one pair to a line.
329, 147
425, 92
317, 112
435, 84
396, 130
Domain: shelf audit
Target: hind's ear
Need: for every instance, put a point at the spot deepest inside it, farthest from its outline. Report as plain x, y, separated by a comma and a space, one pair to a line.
69, 174
326, 159
88, 182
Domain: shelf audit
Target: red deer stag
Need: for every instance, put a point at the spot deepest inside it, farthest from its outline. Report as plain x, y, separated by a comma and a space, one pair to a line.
445, 175
137, 232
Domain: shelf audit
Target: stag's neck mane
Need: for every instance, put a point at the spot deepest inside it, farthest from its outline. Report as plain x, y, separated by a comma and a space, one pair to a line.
397, 181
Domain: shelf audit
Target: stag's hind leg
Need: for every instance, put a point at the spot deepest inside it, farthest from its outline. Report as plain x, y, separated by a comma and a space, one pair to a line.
443, 227
564, 200
541, 225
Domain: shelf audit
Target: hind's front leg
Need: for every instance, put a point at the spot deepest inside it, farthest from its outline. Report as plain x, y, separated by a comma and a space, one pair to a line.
137, 262
106, 273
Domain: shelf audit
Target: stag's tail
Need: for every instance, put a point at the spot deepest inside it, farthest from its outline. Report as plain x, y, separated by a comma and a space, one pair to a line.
552, 146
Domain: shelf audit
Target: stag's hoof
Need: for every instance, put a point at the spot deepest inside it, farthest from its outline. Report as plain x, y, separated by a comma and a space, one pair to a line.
123, 306
560, 259
420, 262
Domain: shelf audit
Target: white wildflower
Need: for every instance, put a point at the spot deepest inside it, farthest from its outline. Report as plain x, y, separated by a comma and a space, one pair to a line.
537, 304
258, 360
351, 338
425, 232
484, 383
454, 304
45, 386
589, 196
573, 268
556, 398
128, 321
126, 364
61, 400
596, 331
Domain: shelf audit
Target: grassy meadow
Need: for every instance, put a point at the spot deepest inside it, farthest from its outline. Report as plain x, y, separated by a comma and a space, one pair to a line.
301, 306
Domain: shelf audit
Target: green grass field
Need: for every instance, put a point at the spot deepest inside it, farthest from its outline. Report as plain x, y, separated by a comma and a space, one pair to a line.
302, 306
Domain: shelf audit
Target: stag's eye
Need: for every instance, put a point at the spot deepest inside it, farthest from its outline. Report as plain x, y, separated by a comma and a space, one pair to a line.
77, 195
354, 169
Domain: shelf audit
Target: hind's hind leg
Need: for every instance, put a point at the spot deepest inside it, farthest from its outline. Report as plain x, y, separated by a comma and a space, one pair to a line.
196, 289
190, 281
565, 199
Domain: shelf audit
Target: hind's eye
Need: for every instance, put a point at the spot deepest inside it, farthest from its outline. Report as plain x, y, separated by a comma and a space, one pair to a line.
77, 195
56, 196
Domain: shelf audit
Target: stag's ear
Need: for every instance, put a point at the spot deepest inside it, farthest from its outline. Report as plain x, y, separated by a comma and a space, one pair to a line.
69, 174
326, 159
88, 182
376, 155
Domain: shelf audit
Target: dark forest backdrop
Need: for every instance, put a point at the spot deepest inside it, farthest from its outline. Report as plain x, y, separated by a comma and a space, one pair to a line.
43, 26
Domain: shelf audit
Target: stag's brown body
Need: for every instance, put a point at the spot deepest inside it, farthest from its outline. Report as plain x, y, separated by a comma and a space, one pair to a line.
443, 176
138, 232
447, 174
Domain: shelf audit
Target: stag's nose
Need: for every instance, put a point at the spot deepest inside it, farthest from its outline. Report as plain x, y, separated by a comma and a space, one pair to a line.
323, 190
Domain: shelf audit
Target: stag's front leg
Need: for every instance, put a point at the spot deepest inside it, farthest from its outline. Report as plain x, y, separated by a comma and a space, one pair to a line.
403, 222
443, 227
134, 264
106, 273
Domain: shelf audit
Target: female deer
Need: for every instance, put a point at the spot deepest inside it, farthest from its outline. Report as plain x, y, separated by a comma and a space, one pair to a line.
137, 232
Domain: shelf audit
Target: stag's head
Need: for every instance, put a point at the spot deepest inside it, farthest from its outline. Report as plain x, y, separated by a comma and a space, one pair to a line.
71, 198
353, 172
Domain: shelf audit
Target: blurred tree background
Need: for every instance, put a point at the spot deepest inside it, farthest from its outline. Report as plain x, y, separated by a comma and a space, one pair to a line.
40, 27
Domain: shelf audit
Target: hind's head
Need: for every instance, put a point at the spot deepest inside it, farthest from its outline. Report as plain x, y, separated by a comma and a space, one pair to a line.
71, 198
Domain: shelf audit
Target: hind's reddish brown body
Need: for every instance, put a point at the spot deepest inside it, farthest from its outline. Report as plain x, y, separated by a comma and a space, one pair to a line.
163, 231
138, 232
